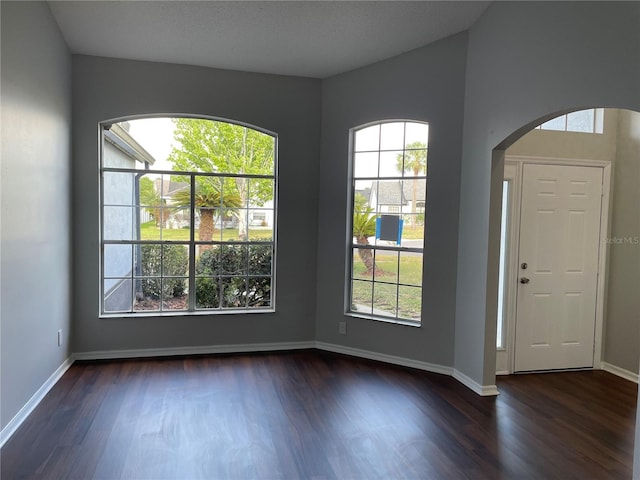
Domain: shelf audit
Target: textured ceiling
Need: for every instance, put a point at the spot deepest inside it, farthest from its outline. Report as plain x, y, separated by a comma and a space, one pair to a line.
304, 38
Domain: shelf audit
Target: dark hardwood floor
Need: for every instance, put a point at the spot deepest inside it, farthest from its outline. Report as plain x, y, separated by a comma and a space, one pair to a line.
318, 415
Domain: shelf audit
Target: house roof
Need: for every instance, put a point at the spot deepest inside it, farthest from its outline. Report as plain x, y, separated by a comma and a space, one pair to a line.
421, 190
167, 187
365, 192
120, 138
390, 193
398, 192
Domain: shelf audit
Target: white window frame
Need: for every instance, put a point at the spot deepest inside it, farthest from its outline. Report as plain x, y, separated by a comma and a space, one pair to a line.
596, 128
351, 246
503, 291
192, 243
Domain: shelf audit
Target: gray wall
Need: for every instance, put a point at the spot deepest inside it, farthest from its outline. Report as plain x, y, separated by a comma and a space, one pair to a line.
527, 62
105, 89
425, 85
622, 337
35, 186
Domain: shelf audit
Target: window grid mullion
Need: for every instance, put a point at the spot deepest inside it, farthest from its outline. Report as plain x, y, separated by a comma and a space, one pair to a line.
102, 247
419, 177
180, 173
388, 283
398, 288
404, 153
375, 279
192, 246
220, 290
161, 273
133, 292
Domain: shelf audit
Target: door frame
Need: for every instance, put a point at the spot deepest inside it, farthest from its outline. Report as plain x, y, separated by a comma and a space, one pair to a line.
514, 166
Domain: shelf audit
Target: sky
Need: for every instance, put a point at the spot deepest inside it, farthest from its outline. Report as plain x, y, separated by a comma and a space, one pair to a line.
390, 139
156, 137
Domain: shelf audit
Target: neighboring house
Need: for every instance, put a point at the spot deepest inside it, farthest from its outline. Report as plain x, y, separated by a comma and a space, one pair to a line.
395, 196
166, 188
259, 217
262, 217
121, 151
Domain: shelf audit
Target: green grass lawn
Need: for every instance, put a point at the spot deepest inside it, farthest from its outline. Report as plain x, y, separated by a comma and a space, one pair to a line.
149, 231
413, 233
381, 286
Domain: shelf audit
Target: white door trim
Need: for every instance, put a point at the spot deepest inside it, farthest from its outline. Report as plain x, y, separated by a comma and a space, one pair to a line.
517, 162
504, 359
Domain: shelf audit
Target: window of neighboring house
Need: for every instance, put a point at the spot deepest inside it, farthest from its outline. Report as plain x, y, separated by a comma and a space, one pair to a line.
585, 121
177, 229
388, 168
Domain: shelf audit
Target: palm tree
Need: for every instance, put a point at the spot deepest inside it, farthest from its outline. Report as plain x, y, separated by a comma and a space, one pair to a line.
364, 226
209, 201
413, 160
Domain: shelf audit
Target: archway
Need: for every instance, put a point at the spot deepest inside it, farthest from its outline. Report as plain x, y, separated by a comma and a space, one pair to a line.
619, 351
608, 146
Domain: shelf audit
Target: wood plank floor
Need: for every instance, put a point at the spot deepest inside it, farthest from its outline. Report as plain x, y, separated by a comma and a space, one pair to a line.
318, 415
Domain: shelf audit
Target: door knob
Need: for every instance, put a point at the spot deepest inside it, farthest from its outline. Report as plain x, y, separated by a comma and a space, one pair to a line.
524, 265
524, 280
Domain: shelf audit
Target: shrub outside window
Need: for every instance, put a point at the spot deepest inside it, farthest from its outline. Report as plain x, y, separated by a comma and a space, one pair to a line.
192, 228
387, 210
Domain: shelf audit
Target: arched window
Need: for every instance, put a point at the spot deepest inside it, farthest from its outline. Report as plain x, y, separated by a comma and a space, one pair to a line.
387, 209
585, 121
188, 217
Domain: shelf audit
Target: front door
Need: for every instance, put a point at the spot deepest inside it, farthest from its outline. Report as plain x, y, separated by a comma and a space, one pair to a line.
557, 267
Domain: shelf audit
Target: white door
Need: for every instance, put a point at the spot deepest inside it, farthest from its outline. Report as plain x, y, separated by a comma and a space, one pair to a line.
557, 267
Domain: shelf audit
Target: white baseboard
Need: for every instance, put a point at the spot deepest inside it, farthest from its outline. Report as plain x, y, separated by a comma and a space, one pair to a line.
200, 350
620, 372
482, 390
34, 401
405, 362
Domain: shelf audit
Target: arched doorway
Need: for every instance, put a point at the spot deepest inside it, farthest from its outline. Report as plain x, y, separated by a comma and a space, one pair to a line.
608, 147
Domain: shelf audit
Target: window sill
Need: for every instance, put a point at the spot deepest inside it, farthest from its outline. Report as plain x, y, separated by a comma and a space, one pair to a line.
396, 321
183, 313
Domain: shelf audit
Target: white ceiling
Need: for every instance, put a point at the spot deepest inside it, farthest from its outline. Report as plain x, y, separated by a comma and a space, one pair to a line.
305, 38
